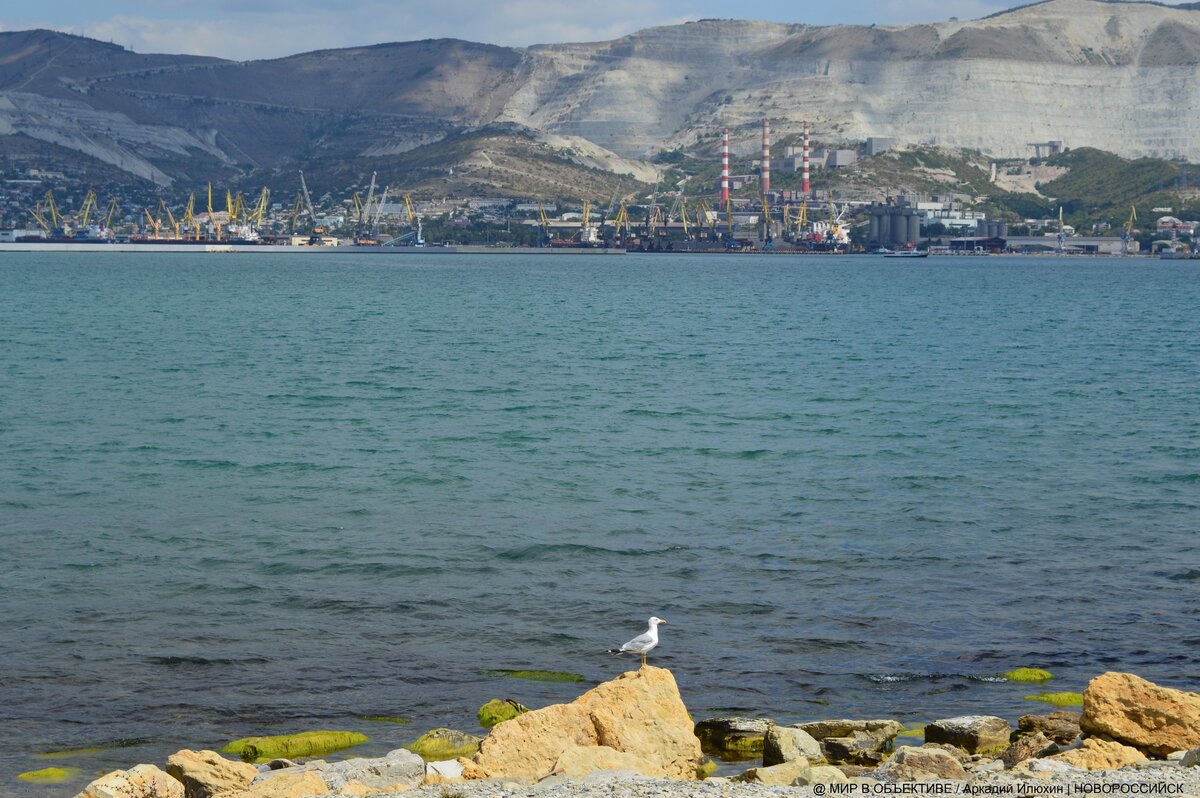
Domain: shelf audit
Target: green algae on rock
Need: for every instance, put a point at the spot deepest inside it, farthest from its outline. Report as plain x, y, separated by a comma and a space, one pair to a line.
536, 676
66, 753
49, 775
313, 743
912, 730
382, 718
706, 769
1028, 675
441, 744
1058, 699
497, 711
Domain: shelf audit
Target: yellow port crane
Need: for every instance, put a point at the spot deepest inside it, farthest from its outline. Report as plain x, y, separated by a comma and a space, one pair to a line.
622, 221
152, 222
164, 208
212, 219
1127, 236
39, 216
85, 211
543, 225
256, 216
114, 205
55, 219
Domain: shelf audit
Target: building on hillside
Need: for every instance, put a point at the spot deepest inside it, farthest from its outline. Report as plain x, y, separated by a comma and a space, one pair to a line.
1169, 224
879, 144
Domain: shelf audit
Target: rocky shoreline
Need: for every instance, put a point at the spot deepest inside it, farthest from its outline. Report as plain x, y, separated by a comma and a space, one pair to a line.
632, 736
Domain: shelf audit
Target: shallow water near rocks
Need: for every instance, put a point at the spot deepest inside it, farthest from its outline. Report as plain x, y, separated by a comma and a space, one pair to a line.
268, 494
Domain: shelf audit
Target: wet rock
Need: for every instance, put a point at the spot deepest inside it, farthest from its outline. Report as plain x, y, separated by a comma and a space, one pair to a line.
311, 743
640, 713
860, 748
733, 738
1130, 709
882, 729
776, 775
1062, 726
1097, 754
785, 743
140, 781
50, 775
441, 744
1031, 746
976, 734
858, 742
820, 774
497, 711
280, 764
207, 774
920, 764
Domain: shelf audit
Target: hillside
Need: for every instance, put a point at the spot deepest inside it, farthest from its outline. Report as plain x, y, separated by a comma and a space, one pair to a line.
1115, 77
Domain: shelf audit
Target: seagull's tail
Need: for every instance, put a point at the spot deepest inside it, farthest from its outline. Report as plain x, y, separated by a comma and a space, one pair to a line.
615, 651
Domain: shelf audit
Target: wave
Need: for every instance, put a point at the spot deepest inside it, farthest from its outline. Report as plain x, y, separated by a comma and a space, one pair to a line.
542, 551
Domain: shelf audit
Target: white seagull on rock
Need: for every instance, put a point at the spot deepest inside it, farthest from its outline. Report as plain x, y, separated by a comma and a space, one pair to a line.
642, 643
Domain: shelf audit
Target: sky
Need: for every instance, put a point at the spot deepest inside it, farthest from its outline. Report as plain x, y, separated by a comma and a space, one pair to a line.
250, 29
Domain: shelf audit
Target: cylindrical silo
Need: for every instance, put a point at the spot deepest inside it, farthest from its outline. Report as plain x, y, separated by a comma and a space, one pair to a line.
914, 227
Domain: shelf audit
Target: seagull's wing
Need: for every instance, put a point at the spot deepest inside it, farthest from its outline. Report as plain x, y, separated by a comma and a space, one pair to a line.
638, 643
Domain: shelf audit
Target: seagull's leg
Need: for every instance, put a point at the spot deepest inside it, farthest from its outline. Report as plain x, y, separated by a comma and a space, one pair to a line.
643, 660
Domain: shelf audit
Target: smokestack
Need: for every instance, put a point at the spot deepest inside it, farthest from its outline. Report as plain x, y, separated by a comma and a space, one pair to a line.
766, 158
804, 187
725, 168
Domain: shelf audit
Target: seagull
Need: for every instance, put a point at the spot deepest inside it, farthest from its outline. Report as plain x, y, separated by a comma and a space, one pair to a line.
642, 643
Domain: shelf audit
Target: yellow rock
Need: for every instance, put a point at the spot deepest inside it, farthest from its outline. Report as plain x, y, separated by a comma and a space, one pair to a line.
1099, 754
207, 774
1132, 710
777, 775
639, 712
288, 785
581, 760
356, 789
140, 781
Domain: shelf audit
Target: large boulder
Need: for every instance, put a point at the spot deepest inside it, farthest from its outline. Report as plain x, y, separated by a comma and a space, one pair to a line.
733, 738
1190, 759
640, 712
497, 711
976, 734
853, 742
1131, 710
1097, 754
207, 774
1061, 726
581, 760
920, 764
140, 781
785, 743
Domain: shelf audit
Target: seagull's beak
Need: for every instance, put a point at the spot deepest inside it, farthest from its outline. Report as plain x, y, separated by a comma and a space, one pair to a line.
662, 620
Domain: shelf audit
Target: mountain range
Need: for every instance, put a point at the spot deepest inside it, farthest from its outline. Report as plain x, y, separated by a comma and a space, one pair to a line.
467, 117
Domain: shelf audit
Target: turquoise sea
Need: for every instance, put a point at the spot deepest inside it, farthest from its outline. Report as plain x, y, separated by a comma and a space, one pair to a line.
260, 494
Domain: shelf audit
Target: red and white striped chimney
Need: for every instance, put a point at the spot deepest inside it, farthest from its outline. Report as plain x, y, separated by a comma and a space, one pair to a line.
766, 158
804, 187
725, 168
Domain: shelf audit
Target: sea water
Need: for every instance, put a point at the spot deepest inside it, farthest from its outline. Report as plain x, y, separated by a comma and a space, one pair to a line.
260, 494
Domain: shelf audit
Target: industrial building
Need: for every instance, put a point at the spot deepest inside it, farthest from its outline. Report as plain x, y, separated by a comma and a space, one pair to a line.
895, 224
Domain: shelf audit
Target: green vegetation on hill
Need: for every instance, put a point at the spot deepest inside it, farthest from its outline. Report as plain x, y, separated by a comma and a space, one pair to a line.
1100, 183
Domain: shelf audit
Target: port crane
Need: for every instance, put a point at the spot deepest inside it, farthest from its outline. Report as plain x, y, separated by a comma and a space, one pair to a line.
1127, 235
165, 208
